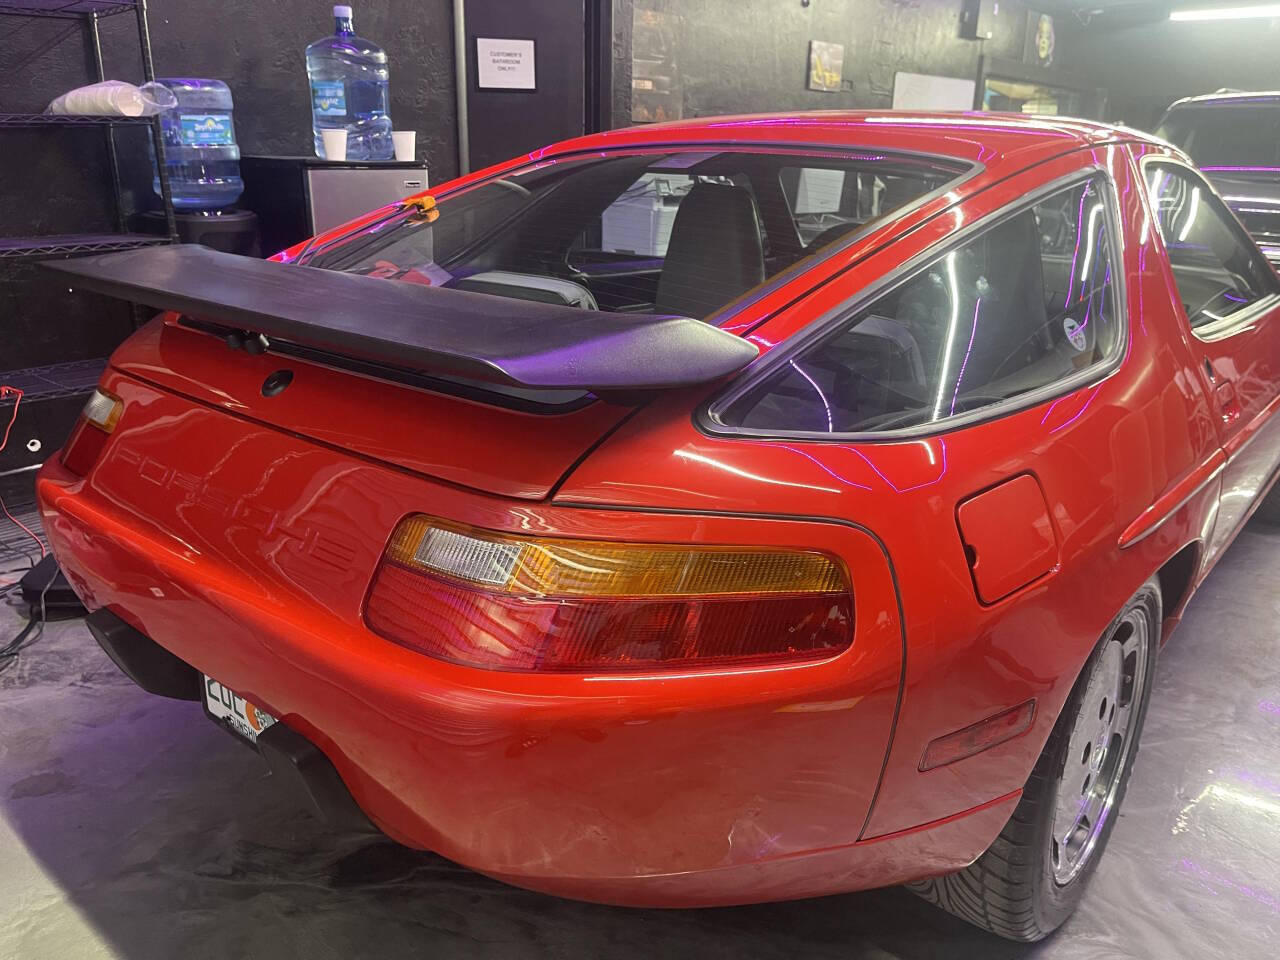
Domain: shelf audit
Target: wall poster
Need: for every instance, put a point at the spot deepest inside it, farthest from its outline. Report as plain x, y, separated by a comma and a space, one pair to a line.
826, 66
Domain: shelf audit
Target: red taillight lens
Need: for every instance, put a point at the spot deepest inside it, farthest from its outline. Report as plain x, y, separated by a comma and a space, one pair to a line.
89, 436
508, 603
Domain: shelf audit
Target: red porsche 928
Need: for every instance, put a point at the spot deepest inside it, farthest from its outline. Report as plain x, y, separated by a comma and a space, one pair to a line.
723, 511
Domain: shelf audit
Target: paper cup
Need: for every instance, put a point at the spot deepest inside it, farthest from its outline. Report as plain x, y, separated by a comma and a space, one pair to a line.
404, 141
335, 144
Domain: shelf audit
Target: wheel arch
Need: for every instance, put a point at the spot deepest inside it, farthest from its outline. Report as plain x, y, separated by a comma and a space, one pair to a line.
1177, 578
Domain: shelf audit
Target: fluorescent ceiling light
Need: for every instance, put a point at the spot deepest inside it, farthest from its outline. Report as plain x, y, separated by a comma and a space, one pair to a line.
1228, 13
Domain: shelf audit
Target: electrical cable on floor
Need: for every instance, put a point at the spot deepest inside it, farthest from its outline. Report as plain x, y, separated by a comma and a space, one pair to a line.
32, 631
34, 628
12, 554
23, 527
28, 635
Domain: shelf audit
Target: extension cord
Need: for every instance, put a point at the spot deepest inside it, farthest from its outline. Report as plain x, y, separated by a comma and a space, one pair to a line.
7, 391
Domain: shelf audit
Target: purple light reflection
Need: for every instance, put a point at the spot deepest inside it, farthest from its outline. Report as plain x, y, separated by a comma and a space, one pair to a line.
942, 469
1211, 879
1052, 407
826, 469
1257, 780
1142, 269
818, 390
1080, 413
1075, 256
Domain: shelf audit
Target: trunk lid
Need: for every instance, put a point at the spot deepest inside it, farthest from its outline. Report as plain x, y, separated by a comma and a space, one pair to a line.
503, 450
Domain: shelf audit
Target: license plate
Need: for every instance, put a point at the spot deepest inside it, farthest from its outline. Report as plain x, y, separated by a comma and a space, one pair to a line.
234, 711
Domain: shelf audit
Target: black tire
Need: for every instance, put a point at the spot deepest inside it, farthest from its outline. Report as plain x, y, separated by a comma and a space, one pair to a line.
1011, 890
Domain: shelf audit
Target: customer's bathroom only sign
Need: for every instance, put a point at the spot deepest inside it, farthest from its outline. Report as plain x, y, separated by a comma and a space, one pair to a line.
505, 64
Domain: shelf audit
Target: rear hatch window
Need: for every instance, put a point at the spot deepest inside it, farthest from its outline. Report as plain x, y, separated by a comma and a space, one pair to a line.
668, 232
1227, 135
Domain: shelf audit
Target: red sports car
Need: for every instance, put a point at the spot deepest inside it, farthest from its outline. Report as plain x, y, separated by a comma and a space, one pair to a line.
714, 512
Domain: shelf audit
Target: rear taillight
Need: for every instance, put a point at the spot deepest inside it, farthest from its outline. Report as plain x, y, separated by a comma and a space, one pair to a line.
513, 603
97, 421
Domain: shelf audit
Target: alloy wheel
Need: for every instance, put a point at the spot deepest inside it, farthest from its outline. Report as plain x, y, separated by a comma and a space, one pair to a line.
1099, 748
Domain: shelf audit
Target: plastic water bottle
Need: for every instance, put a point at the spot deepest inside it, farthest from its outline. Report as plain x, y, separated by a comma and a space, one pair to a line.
350, 90
200, 145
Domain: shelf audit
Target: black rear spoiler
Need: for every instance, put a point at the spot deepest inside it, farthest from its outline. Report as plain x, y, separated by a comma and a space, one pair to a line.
475, 336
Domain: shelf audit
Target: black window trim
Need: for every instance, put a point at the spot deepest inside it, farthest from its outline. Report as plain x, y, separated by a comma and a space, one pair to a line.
707, 416
1241, 320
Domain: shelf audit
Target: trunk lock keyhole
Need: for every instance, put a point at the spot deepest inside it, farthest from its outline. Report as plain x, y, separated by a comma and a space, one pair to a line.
276, 382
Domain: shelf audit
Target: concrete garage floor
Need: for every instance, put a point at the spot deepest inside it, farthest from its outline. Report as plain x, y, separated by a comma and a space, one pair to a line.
131, 827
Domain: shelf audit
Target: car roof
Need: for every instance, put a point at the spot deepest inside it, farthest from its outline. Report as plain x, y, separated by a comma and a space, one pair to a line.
1228, 97
1000, 142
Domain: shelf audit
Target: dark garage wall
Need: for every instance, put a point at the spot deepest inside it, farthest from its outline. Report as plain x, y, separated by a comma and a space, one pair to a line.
1147, 67
57, 181
740, 56
256, 46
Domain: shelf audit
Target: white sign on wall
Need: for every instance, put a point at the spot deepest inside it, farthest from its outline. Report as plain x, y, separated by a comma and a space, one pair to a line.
922, 91
505, 64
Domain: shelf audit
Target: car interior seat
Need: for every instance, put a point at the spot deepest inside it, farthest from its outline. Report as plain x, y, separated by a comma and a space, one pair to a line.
1011, 319
715, 253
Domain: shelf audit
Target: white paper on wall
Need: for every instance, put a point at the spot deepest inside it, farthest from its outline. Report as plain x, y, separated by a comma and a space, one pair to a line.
923, 91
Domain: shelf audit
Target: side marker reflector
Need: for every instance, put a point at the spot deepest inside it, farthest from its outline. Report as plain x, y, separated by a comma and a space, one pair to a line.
980, 736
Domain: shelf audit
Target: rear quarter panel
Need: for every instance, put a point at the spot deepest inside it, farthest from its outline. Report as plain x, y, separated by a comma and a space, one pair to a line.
1102, 454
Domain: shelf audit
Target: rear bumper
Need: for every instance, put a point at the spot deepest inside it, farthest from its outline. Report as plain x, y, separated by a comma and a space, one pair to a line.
309, 776
667, 791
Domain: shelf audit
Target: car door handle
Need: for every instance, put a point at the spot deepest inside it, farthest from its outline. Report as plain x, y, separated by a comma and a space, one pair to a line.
1228, 403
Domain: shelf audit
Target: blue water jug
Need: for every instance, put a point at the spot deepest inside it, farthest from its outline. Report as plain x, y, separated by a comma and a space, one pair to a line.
350, 90
200, 149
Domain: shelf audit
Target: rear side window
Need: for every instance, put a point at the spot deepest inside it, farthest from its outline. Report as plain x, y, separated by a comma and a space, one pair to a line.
1026, 303
1217, 270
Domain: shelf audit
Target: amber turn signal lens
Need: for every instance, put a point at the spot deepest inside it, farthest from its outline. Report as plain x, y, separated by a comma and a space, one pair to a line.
592, 568
103, 410
530, 603
98, 420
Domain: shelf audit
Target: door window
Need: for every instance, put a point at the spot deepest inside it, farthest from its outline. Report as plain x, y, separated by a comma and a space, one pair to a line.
1218, 271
